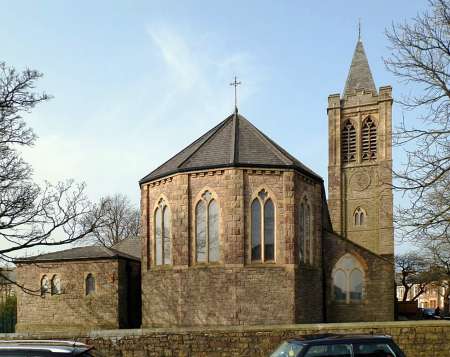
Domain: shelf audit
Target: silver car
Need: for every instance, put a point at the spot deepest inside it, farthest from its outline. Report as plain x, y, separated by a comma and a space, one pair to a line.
46, 348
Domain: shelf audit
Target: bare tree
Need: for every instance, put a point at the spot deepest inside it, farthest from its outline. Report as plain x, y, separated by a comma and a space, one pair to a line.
421, 56
415, 271
121, 220
30, 215
439, 250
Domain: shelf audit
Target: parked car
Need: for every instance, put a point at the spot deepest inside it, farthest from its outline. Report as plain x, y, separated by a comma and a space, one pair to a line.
339, 345
46, 348
428, 313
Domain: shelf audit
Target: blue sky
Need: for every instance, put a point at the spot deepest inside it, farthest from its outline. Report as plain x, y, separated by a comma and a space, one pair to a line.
136, 81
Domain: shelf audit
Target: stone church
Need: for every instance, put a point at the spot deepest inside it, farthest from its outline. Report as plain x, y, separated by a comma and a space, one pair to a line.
236, 231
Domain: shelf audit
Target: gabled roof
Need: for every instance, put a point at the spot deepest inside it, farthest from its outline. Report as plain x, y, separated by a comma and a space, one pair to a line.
79, 253
235, 142
130, 246
359, 75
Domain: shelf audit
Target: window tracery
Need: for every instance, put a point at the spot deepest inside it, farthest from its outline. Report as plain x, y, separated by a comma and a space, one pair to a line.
369, 140
359, 217
262, 228
348, 146
207, 243
163, 244
348, 280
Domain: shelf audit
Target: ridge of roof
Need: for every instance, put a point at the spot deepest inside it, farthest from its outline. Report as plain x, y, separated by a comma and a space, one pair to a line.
200, 141
234, 142
359, 75
78, 253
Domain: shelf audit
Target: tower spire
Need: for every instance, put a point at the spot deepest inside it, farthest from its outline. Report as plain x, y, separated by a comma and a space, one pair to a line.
359, 76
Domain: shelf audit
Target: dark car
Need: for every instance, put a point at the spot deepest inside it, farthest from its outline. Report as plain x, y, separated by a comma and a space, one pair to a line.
428, 313
46, 348
331, 345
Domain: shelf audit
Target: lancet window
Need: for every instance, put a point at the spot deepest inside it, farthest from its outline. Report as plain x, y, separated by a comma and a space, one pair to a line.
163, 244
305, 239
262, 228
359, 217
348, 142
90, 284
369, 140
207, 243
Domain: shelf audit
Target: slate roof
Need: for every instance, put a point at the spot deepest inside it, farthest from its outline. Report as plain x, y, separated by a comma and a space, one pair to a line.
130, 246
235, 142
80, 253
359, 75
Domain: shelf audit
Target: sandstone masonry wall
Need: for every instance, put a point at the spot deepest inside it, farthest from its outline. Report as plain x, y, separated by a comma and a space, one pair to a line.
235, 290
378, 290
416, 338
72, 309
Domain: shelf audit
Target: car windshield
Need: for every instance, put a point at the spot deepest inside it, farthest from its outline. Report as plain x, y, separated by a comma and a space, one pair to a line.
288, 349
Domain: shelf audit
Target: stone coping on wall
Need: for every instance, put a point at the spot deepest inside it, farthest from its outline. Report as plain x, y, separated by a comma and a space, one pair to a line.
354, 327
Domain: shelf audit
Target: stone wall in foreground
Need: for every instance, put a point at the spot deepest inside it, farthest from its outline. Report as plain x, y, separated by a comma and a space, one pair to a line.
416, 338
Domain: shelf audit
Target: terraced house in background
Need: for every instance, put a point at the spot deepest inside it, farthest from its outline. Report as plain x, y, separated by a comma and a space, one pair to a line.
236, 231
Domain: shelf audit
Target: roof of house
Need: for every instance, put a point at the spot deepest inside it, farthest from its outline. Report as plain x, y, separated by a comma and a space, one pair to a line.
130, 246
359, 75
127, 251
235, 142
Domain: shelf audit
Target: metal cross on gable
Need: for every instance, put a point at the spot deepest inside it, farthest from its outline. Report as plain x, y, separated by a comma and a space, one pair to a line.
235, 84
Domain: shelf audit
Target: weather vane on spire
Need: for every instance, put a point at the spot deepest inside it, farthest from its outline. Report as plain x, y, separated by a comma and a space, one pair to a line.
359, 29
235, 84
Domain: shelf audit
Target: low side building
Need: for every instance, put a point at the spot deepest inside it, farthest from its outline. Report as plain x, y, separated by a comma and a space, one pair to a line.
80, 289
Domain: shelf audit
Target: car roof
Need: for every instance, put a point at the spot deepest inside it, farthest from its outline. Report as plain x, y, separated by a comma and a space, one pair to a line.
332, 338
56, 346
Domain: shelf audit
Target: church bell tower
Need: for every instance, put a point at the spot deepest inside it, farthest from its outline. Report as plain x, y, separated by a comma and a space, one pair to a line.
360, 159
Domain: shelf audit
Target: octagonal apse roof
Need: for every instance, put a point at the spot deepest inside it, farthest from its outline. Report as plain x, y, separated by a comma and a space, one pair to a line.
235, 142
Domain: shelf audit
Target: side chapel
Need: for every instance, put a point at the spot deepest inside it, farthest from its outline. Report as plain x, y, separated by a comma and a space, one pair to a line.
236, 231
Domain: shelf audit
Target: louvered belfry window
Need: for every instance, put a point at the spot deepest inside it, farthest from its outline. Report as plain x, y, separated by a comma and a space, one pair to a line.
369, 140
348, 142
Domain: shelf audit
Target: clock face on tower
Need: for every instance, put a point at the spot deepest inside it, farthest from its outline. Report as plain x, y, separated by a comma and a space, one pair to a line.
360, 181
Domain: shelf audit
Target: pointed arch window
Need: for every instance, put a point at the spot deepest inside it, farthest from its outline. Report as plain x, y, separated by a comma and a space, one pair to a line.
305, 239
262, 228
369, 140
90, 284
348, 142
207, 244
56, 285
163, 244
359, 217
348, 280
